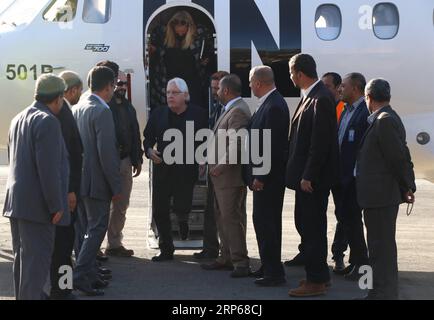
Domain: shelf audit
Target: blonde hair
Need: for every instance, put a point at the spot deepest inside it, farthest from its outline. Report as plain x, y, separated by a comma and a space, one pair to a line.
170, 39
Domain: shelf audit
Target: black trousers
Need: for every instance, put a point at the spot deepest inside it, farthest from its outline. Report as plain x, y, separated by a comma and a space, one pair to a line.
210, 236
267, 221
340, 242
311, 214
383, 256
162, 193
62, 252
349, 215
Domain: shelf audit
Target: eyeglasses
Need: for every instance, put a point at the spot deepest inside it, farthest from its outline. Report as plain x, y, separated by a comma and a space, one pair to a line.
177, 22
121, 83
173, 93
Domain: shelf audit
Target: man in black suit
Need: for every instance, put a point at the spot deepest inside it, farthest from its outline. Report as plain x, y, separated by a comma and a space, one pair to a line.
65, 235
268, 188
351, 128
312, 170
385, 179
175, 180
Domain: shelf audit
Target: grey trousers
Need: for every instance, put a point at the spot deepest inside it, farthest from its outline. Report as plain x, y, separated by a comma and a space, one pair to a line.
119, 208
97, 213
33, 247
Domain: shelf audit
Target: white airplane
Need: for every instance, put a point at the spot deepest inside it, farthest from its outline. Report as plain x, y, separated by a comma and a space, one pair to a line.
390, 39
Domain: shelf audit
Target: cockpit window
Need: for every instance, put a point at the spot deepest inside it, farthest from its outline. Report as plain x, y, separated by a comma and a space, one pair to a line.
61, 11
21, 12
97, 11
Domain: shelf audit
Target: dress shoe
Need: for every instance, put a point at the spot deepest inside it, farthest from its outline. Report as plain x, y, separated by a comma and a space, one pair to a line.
353, 275
88, 290
163, 257
339, 265
183, 230
119, 252
240, 272
270, 281
297, 261
204, 255
104, 270
257, 274
328, 284
216, 266
309, 289
101, 257
345, 271
100, 284
105, 277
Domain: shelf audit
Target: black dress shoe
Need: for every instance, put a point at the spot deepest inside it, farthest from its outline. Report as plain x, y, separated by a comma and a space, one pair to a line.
101, 257
100, 284
354, 274
88, 290
270, 282
104, 270
339, 265
297, 261
163, 257
216, 266
258, 273
345, 271
105, 277
204, 255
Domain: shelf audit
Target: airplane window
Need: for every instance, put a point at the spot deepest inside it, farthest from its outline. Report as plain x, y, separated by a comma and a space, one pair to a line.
61, 11
20, 13
97, 11
328, 22
385, 20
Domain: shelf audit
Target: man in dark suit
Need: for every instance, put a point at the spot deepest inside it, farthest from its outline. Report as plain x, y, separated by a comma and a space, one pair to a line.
312, 170
385, 179
175, 180
268, 188
37, 187
352, 127
100, 179
65, 235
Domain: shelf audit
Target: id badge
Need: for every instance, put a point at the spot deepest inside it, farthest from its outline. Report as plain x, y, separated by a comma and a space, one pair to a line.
351, 135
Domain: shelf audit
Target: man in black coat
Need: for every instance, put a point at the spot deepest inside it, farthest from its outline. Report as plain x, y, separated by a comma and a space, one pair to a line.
384, 179
312, 170
268, 187
65, 235
176, 179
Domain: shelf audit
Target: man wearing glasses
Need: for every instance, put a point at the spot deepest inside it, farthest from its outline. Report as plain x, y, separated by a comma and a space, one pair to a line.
131, 157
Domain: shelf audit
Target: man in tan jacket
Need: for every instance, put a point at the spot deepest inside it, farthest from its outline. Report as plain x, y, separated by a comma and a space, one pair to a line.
225, 170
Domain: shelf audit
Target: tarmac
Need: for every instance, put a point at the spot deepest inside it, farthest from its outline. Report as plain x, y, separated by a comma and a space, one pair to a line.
138, 278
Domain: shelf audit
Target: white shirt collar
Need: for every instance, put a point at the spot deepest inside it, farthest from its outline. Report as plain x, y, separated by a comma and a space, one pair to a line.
231, 103
308, 90
264, 97
101, 100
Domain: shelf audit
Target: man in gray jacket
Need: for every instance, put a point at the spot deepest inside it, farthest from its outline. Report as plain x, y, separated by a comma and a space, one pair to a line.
100, 181
37, 186
385, 179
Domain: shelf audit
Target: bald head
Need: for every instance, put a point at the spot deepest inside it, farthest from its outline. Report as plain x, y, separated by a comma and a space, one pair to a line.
74, 86
263, 74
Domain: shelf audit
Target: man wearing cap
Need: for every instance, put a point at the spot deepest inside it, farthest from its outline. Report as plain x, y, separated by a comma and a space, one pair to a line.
36, 190
65, 235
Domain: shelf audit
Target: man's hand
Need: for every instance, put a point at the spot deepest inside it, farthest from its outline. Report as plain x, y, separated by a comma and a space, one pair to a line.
154, 155
137, 170
216, 172
257, 185
117, 197
306, 186
57, 217
409, 197
72, 201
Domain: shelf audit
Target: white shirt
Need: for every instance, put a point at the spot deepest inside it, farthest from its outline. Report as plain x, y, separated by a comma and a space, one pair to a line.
231, 103
308, 90
264, 97
101, 100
